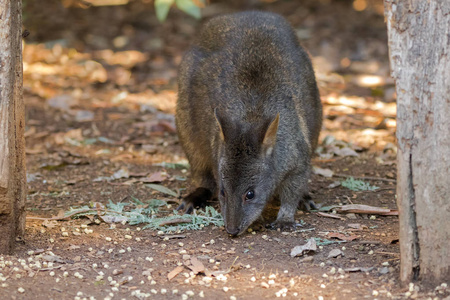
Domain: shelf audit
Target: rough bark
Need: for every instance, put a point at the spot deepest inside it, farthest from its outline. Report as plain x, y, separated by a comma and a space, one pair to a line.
12, 154
419, 45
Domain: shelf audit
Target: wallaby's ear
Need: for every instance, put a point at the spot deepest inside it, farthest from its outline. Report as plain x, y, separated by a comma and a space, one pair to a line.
219, 120
271, 136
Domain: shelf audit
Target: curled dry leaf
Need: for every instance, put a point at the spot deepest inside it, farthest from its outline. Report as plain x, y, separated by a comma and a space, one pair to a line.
195, 265
310, 246
335, 253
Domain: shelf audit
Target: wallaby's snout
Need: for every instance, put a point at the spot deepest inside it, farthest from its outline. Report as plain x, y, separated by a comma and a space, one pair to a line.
232, 230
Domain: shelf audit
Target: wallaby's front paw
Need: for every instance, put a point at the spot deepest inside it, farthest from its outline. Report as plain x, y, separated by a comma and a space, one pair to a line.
195, 199
307, 203
284, 225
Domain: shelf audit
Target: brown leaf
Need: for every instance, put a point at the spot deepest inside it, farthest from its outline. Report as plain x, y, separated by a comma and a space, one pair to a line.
155, 177
175, 272
341, 236
195, 265
50, 223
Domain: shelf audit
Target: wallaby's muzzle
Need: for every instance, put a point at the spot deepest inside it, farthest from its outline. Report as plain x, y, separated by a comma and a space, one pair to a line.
233, 231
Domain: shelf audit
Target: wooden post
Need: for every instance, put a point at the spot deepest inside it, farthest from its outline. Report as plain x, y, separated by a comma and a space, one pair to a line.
12, 123
419, 45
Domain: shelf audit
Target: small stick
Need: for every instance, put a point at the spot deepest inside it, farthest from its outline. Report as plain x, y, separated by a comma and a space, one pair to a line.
367, 178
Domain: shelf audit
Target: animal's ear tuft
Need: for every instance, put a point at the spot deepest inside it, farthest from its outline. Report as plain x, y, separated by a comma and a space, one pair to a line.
270, 136
220, 122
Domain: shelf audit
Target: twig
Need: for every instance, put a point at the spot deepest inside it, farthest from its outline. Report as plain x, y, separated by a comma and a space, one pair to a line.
76, 213
367, 178
175, 221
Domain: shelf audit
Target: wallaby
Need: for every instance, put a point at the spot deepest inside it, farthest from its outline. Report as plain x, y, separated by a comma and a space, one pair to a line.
248, 117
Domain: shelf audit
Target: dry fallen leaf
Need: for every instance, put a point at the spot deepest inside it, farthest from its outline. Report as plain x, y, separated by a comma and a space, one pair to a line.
310, 246
341, 236
50, 223
335, 253
195, 265
175, 272
322, 172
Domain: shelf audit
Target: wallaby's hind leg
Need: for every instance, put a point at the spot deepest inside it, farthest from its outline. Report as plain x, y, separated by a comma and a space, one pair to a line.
206, 188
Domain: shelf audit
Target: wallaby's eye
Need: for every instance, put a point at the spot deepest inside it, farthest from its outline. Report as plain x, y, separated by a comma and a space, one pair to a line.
250, 195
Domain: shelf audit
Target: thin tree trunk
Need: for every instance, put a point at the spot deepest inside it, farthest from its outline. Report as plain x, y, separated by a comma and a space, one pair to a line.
12, 123
419, 45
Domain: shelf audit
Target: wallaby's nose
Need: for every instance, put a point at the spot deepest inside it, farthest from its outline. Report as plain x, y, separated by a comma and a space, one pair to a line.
233, 231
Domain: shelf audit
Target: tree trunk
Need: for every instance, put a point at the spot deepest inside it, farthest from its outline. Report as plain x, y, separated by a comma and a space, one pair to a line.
419, 45
12, 123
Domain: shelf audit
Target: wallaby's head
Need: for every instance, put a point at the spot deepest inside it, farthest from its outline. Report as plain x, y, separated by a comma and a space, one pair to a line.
245, 172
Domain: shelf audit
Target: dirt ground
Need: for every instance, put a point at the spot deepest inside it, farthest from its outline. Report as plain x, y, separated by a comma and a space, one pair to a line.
100, 92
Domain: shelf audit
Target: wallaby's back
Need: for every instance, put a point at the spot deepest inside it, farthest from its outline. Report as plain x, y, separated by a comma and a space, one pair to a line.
247, 67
